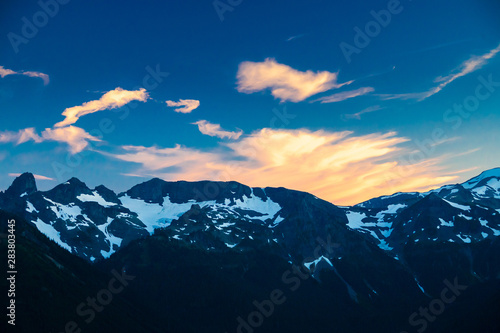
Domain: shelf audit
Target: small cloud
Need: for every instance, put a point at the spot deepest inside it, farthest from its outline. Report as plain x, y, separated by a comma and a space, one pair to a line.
339, 97
285, 83
135, 175
40, 177
208, 128
446, 140
111, 100
367, 110
438, 46
43, 76
4, 72
20, 136
75, 137
472, 64
188, 105
289, 39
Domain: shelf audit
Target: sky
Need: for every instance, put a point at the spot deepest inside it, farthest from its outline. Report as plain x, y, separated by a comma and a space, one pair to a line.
347, 100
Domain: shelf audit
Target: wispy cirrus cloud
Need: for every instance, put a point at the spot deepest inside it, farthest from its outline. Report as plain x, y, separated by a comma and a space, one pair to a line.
210, 129
342, 96
337, 166
5, 72
187, 105
285, 83
471, 65
357, 115
111, 100
289, 39
39, 177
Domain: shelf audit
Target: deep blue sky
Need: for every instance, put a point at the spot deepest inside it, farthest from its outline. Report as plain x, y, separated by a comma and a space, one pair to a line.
92, 47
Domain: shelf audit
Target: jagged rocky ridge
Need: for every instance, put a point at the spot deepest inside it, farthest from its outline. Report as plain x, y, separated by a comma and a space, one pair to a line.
94, 223
461, 213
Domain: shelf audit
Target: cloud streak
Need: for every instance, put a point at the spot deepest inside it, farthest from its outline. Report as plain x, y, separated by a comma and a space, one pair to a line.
337, 166
471, 65
188, 105
285, 83
111, 100
357, 115
342, 96
210, 129
39, 177
5, 72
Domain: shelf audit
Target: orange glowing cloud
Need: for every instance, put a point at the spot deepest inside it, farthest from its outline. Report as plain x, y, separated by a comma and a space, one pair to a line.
111, 100
286, 83
336, 166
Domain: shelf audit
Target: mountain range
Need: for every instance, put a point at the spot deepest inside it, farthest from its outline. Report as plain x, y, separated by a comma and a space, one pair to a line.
224, 246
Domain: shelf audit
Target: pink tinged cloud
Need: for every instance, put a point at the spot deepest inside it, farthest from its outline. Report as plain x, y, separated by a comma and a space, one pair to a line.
188, 105
285, 83
4, 72
337, 166
39, 177
20, 136
342, 96
210, 129
467, 67
76, 138
111, 100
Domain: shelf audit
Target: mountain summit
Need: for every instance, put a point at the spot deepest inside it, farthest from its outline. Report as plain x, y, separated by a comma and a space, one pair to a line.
24, 184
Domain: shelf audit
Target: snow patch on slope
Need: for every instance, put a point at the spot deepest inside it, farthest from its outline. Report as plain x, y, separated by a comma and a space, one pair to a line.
65, 212
462, 207
154, 215
51, 233
267, 208
355, 219
95, 197
30, 208
112, 239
